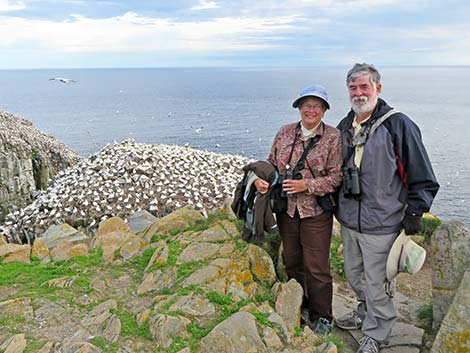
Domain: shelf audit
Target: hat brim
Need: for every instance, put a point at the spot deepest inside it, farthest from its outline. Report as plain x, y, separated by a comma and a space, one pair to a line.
297, 101
394, 256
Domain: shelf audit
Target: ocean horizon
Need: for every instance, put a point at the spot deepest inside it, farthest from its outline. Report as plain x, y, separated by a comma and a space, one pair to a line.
238, 110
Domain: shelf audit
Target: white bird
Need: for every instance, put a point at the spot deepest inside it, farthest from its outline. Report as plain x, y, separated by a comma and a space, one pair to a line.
63, 80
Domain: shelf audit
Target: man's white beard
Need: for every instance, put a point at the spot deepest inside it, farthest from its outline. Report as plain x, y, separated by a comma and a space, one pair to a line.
368, 107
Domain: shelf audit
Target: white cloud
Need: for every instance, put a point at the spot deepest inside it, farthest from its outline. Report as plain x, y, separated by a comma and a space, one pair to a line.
6, 5
351, 6
133, 32
205, 5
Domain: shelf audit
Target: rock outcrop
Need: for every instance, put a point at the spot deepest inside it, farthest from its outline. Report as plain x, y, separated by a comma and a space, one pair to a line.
124, 178
454, 334
450, 260
28, 159
194, 286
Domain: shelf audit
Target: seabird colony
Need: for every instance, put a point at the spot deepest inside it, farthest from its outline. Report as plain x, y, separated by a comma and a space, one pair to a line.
124, 178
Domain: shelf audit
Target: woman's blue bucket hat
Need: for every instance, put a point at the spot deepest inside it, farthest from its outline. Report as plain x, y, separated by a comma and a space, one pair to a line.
313, 91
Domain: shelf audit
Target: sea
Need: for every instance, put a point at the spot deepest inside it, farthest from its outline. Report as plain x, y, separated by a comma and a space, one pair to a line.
239, 110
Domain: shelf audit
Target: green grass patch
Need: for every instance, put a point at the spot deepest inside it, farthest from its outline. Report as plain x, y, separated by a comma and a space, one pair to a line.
241, 245
262, 318
298, 331
198, 331
338, 342
337, 260
34, 345
101, 343
141, 262
429, 225
165, 308
11, 320
190, 289
203, 224
262, 297
32, 278
186, 269
180, 343
425, 314
130, 327
175, 251
221, 299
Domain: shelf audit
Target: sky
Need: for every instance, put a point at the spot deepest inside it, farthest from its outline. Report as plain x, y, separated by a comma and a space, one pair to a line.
238, 33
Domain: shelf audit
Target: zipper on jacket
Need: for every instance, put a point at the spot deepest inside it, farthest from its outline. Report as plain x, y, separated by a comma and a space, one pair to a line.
359, 216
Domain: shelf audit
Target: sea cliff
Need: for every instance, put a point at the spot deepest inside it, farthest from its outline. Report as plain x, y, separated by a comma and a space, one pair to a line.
28, 159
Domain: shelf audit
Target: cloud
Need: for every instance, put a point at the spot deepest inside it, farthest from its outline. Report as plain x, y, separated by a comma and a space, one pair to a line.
352, 6
205, 5
7, 6
133, 32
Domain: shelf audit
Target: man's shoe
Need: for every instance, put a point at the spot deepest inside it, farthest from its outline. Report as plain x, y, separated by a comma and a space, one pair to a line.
350, 321
368, 345
322, 326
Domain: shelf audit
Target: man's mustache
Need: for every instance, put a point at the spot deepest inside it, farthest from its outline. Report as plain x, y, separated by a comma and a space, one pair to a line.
360, 98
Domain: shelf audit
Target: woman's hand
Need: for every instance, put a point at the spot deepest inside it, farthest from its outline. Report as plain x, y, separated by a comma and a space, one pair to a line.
261, 185
292, 186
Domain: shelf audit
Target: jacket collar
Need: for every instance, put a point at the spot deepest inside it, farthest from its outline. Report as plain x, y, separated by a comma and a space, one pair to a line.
319, 131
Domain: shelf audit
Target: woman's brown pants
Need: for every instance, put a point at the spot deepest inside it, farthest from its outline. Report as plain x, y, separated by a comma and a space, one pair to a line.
306, 254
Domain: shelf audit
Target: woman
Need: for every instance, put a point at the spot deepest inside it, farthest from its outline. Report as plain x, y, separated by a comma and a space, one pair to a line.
306, 228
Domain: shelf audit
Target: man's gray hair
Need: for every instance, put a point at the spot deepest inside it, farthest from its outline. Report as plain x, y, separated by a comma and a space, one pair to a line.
359, 70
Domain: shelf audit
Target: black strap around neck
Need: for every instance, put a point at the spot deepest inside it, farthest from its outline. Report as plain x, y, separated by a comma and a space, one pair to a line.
313, 141
296, 137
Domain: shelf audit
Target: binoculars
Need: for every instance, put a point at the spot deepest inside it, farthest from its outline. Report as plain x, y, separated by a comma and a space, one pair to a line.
289, 176
352, 182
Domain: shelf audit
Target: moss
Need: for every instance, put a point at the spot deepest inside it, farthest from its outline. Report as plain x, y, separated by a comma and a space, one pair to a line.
456, 342
429, 225
425, 314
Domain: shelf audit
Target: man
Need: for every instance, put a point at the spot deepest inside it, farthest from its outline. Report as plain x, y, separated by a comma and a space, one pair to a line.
388, 184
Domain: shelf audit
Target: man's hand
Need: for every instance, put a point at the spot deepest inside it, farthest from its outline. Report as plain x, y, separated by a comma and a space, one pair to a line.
261, 185
292, 186
412, 224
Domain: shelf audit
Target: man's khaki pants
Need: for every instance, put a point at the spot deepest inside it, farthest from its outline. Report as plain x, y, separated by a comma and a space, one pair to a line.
365, 260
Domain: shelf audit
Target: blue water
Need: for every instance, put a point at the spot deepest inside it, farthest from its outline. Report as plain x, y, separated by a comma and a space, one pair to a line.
239, 110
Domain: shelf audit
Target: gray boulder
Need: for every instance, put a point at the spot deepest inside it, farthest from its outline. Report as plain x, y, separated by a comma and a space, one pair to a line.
237, 334
450, 259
